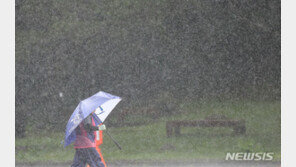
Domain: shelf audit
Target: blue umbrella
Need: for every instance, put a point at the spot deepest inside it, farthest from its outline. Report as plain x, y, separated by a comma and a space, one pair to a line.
102, 103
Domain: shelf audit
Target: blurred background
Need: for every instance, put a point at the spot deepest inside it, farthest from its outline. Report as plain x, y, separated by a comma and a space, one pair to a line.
167, 59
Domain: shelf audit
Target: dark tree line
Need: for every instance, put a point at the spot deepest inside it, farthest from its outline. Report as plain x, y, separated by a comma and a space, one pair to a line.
140, 50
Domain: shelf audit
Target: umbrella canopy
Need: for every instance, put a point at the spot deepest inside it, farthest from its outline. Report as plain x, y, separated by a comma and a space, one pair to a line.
102, 103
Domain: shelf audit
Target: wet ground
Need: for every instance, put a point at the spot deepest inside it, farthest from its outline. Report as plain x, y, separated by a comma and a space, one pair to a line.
171, 164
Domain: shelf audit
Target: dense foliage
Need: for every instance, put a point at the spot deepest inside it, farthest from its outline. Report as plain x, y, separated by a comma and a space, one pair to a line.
142, 51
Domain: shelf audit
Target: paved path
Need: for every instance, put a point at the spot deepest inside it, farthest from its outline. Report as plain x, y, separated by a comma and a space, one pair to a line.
172, 164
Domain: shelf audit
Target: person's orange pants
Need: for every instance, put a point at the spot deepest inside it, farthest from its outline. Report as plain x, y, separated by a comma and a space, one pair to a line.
99, 151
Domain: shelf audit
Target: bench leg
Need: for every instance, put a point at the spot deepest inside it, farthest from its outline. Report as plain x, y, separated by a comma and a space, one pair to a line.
240, 129
169, 129
177, 130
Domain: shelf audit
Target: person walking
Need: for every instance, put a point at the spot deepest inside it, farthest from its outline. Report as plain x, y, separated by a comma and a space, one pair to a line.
85, 144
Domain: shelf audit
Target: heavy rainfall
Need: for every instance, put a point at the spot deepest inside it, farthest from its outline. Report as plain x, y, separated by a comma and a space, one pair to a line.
170, 61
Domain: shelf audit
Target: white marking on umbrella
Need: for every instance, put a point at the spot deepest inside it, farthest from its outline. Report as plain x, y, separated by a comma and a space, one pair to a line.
77, 119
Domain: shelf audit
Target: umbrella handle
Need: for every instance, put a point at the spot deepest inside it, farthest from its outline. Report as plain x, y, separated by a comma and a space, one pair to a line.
117, 144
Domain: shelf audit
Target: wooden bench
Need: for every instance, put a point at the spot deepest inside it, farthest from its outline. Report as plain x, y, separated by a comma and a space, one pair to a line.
173, 127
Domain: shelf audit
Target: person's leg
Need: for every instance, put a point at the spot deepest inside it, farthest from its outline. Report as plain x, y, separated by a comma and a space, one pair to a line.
93, 158
102, 158
79, 160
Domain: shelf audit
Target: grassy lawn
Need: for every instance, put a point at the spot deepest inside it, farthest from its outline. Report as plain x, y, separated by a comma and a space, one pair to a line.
149, 142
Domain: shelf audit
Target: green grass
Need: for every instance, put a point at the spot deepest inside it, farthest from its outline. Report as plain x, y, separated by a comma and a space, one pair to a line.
149, 142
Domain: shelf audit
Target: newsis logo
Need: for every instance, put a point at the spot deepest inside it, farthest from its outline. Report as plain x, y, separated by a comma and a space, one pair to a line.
259, 156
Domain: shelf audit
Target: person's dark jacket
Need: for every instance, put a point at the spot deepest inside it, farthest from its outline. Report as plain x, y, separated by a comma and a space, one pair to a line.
88, 124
